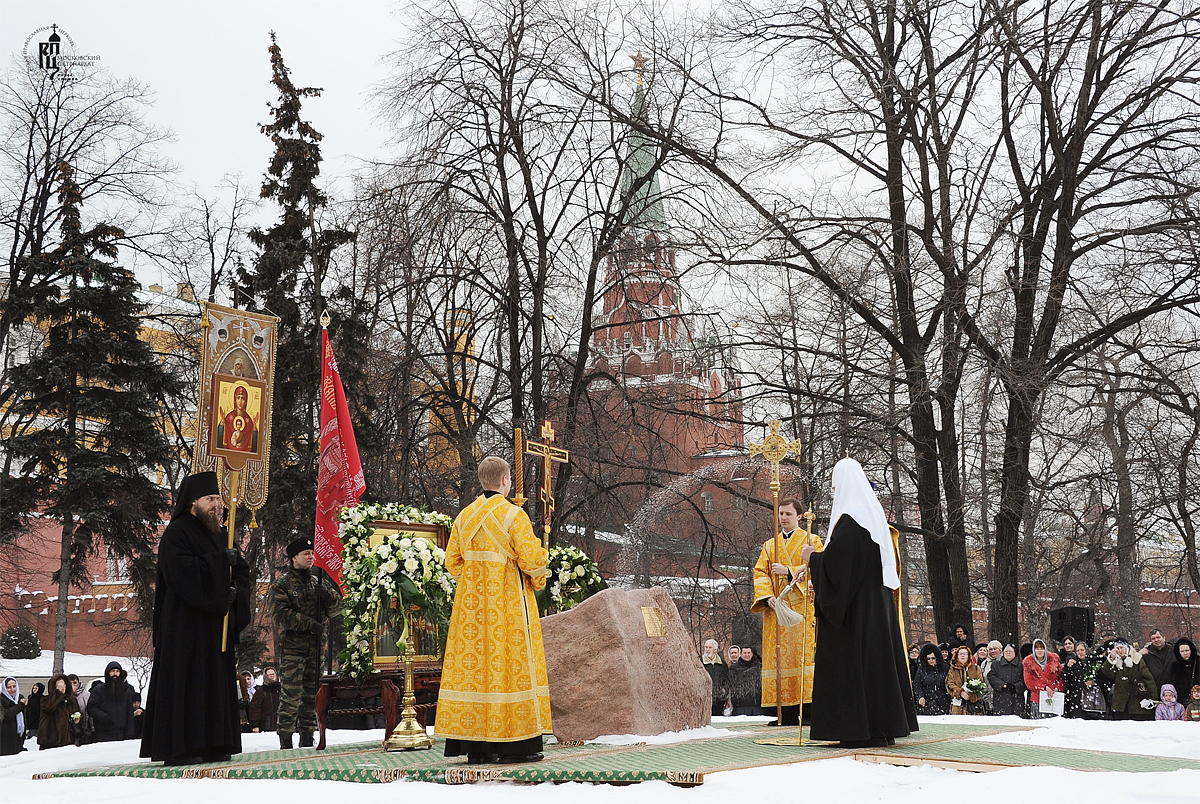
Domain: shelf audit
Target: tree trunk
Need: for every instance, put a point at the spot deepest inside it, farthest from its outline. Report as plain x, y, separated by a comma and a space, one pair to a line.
1129, 572
1004, 623
956, 525
64, 590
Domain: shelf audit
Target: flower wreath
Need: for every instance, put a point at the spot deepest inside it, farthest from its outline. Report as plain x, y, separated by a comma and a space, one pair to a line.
410, 570
573, 579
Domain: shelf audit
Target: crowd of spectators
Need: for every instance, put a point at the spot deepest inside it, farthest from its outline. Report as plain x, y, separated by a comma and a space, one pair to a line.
61, 712
1113, 680
736, 684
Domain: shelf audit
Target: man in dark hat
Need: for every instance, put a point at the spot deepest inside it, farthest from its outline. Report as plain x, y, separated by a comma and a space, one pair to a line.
191, 712
302, 600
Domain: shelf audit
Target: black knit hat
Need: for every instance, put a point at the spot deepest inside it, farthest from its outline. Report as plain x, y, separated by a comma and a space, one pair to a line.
298, 546
201, 484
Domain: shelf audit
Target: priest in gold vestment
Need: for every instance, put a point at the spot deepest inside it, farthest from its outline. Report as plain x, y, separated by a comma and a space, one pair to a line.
494, 703
789, 566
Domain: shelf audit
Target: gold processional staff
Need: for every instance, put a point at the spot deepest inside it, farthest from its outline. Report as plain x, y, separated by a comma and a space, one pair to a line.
775, 448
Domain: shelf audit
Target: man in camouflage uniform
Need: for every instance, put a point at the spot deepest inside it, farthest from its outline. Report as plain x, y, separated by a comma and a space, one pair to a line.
301, 601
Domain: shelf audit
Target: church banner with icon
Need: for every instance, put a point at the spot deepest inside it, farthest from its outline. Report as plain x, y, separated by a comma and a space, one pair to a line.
237, 369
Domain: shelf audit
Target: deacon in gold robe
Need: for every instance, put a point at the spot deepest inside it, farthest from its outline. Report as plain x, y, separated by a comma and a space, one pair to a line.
789, 566
494, 704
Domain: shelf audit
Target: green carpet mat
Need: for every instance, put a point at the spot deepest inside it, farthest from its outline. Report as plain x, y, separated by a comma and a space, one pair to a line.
678, 763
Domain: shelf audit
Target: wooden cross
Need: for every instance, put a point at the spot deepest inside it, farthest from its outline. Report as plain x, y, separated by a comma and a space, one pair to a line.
775, 448
549, 455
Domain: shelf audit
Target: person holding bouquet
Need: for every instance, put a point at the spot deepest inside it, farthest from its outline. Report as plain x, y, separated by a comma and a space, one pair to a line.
964, 683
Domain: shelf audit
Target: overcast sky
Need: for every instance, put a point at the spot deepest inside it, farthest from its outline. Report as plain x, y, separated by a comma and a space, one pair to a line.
207, 62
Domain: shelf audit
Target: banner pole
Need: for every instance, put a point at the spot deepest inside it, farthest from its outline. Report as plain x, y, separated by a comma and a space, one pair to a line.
234, 478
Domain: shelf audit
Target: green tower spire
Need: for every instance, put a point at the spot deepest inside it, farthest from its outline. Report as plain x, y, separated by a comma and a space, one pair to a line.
645, 208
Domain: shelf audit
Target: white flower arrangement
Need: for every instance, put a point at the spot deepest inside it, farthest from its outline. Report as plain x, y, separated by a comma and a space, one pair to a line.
573, 579
411, 571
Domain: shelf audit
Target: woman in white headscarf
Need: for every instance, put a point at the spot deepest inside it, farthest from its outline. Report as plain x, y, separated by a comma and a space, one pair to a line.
862, 695
12, 718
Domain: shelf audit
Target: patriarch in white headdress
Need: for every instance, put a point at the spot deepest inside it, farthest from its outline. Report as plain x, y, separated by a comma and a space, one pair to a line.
853, 496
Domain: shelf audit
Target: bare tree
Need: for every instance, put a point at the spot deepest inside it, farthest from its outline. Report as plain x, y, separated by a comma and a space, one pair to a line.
94, 122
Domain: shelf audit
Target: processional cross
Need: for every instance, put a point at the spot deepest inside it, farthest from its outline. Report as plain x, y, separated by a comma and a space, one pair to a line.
775, 448
550, 455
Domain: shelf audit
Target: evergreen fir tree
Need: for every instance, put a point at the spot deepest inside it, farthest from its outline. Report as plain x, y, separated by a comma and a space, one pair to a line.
90, 404
289, 279
20, 642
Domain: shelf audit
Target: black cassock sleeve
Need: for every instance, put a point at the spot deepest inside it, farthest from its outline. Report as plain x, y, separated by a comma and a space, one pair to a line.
839, 570
195, 568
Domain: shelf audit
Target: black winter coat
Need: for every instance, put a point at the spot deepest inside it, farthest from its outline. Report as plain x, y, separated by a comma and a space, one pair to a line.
1184, 675
33, 709
720, 684
264, 707
10, 741
1007, 680
1073, 673
1158, 661
111, 708
930, 683
745, 686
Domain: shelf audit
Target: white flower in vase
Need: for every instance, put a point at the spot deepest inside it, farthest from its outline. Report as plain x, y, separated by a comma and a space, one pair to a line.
411, 564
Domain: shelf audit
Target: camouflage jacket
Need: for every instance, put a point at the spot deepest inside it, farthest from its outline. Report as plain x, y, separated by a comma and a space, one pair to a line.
300, 604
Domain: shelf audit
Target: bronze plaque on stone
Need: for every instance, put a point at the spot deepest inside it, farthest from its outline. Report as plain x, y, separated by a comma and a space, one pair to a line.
656, 624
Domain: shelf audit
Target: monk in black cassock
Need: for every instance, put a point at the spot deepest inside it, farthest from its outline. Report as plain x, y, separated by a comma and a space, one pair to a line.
862, 694
191, 711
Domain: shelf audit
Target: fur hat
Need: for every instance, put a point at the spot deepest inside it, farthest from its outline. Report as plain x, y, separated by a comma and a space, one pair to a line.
298, 546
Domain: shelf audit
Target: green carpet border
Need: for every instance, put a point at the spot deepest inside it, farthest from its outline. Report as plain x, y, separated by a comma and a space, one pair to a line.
682, 764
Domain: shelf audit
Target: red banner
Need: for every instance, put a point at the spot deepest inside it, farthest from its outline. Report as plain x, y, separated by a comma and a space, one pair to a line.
340, 477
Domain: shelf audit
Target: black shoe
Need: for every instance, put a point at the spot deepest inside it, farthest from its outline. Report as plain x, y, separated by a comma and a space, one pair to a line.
285, 741
889, 741
184, 759
515, 760
306, 739
482, 759
217, 757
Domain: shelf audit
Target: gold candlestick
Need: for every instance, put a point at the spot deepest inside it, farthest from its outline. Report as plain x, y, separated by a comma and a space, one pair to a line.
409, 734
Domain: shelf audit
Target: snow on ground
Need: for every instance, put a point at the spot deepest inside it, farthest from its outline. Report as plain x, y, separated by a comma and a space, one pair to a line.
1158, 739
666, 738
829, 780
82, 665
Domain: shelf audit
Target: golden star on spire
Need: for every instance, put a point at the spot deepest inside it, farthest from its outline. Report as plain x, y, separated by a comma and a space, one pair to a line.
639, 64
